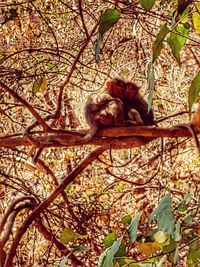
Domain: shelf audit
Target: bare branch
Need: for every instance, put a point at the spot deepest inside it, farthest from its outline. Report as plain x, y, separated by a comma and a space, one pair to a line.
44, 205
27, 105
120, 137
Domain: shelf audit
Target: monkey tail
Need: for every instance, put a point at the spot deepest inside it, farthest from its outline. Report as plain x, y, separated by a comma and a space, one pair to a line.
91, 133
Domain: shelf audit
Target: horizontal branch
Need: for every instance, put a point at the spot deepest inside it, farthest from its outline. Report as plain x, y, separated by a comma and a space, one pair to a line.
119, 137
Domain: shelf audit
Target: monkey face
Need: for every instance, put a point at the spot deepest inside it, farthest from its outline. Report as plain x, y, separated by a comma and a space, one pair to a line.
116, 88
122, 90
131, 91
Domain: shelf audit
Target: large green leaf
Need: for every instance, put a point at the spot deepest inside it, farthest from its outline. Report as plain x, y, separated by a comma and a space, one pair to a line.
147, 4
107, 257
132, 230
164, 216
194, 91
196, 18
179, 35
107, 19
158, 44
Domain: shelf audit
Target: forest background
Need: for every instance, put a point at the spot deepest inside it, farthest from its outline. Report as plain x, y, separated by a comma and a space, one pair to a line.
118, 200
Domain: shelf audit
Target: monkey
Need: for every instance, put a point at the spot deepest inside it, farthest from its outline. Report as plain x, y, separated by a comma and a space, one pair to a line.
101, 111
119, 104
130, 96
194, 125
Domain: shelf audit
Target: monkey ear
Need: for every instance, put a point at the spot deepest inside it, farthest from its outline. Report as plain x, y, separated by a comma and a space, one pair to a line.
109, 84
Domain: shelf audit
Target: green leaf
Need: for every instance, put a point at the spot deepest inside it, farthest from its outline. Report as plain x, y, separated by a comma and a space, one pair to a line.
122, 250
172, 246
50, 66
97, 48
164, 216
178, 37
132, 230
68, 188
68, 235
126, 219
106, 258
147, 4
109, 240
177, 232
193, 259
158, 44
108, 19
194, 91
151, 80
196, 18
39, 85
183, 205
161, 237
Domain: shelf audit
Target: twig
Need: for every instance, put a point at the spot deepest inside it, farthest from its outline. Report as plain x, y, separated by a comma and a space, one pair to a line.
27, 105
44, 205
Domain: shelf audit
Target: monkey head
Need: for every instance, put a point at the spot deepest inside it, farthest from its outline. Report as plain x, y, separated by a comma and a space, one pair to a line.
131, 90
121, 89
116, 88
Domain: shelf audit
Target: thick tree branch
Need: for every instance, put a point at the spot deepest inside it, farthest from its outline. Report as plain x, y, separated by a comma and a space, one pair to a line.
117, 136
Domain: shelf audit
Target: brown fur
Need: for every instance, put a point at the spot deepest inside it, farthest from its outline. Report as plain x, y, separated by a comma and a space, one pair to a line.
102, 110
119, 104
130, 96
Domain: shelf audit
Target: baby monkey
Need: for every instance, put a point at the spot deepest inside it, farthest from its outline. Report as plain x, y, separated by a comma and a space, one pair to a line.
131, 98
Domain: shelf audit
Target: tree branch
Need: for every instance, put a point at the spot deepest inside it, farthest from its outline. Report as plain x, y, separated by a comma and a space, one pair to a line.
27, 105
119, 137
44, 205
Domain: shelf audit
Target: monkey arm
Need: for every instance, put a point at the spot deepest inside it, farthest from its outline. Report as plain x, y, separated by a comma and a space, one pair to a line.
135, 117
